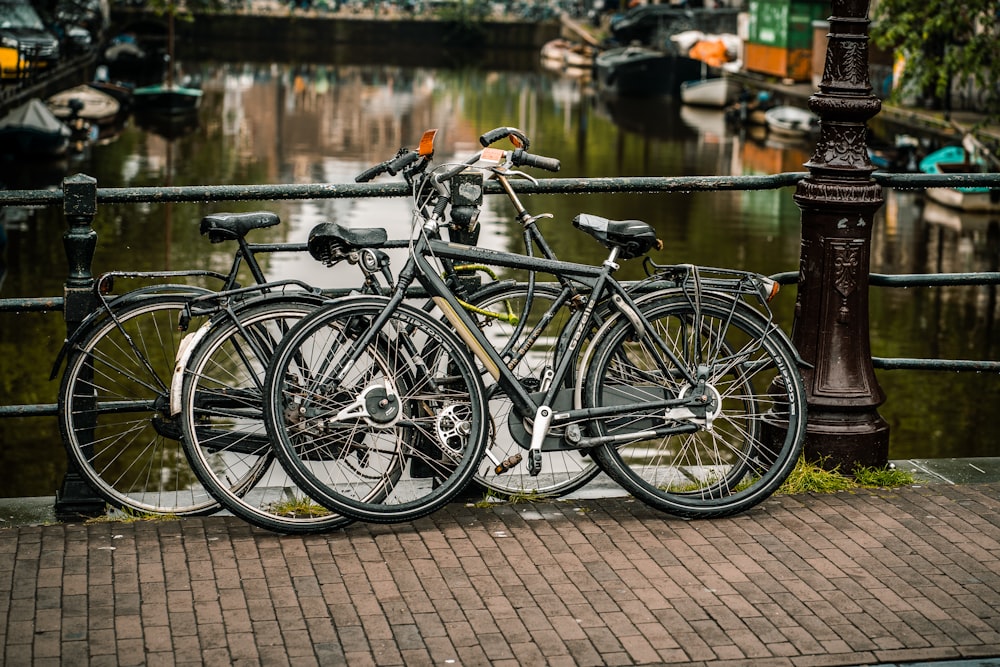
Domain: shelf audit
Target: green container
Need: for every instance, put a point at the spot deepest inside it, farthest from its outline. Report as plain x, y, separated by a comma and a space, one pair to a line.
785, 23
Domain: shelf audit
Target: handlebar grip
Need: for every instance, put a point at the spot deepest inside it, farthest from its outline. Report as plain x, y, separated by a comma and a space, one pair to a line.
521, 158
371, 172
400, 163
496, 134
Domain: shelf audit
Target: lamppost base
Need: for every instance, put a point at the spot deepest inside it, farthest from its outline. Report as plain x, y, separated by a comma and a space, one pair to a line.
845, 441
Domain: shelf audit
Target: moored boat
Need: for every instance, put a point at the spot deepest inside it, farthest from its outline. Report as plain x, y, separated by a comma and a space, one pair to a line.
952, 218
957, 160
638, 71
32, 130
567, 57
167, 98
717, 92
791, 121
90, 104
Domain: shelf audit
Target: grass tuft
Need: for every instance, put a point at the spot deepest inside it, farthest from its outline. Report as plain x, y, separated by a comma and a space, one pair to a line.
812, 477
128, 515
299, 508
493, 498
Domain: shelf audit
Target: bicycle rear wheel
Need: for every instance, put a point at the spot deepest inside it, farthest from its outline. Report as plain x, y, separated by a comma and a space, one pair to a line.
750, 434
113, 410
221, 416
386, 430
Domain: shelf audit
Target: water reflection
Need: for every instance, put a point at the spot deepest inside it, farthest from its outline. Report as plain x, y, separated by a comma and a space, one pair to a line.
270, 123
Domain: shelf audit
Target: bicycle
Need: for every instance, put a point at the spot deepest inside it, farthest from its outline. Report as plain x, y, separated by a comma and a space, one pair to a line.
216, 391
114, 392
504, 308
219, 372
686, 395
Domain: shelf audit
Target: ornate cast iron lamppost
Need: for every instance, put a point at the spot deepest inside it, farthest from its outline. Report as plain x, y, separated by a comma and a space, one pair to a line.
838, 201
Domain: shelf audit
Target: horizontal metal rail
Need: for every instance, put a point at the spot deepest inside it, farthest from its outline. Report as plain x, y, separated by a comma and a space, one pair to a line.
923, 280
681, 184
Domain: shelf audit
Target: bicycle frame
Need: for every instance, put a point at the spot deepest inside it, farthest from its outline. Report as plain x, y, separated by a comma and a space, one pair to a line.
598, 278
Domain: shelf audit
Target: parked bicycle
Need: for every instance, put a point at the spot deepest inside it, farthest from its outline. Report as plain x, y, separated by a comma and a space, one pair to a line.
685, 393
217, 397
114, 393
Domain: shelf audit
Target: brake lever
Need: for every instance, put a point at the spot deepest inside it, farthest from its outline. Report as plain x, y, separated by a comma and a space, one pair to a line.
515, 172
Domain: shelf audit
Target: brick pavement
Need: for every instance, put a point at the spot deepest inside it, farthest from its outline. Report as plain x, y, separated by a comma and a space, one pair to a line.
843, 579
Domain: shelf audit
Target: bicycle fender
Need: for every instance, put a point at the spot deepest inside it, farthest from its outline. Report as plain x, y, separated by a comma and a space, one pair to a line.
191, 341
188, 344
123, 300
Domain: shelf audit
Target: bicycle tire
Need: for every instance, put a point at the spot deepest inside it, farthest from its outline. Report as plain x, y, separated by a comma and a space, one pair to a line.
756, 396
397, 437
112, 409
221, 415
562, 471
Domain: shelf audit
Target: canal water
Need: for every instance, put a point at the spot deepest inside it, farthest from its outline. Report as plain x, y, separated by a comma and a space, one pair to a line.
267, 123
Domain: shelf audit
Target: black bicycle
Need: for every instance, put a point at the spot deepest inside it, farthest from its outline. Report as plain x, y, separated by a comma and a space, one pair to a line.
685, 391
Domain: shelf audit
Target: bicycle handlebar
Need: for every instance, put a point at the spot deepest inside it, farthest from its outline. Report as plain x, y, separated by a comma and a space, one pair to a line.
392, 167
519, 138
402, 162
521, 157
370, 173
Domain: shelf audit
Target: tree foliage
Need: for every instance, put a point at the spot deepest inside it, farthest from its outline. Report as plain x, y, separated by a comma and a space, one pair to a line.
951, 48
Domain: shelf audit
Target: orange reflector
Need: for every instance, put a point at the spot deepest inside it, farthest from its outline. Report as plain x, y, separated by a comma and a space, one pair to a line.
775, 287
427, 144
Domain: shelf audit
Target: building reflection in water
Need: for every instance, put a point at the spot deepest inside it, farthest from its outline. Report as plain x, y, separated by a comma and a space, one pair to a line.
322, 123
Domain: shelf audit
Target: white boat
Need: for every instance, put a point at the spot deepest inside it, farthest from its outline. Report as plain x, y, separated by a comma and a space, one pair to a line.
955, 160
562, 54
716, 92
791, 121
84, 102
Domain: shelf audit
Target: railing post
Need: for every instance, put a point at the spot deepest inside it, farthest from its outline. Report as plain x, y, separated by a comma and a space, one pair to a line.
76, 498
838, 201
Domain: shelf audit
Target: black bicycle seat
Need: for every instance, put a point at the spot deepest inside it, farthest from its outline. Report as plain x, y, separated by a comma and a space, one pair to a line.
633, 238
231, 226
328, 241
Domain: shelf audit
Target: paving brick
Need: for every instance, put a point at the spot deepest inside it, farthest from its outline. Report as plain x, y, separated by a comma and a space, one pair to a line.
805, 580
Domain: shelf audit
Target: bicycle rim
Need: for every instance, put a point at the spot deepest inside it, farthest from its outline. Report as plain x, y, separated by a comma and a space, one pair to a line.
751, 433
114, 416
390, 434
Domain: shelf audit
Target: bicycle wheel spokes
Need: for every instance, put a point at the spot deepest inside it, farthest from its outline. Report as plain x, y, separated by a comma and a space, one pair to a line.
723, 456
384, 431
562, 471
113, 411
222, 416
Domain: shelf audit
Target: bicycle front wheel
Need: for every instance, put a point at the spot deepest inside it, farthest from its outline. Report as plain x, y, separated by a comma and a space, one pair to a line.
114, 416
380, 425
733, 452
222, 418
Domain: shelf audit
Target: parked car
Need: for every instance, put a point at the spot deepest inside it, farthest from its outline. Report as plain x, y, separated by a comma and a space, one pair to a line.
82, 23
21, 28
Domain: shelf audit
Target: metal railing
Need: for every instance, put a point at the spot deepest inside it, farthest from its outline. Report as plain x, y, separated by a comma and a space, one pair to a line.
80, 197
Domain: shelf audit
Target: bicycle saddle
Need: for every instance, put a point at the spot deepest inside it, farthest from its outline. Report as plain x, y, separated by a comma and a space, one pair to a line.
231, 226
633, 238
329, 242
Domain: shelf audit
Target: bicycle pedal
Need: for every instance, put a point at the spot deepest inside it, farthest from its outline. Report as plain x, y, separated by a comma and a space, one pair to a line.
507, 464
534, 462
